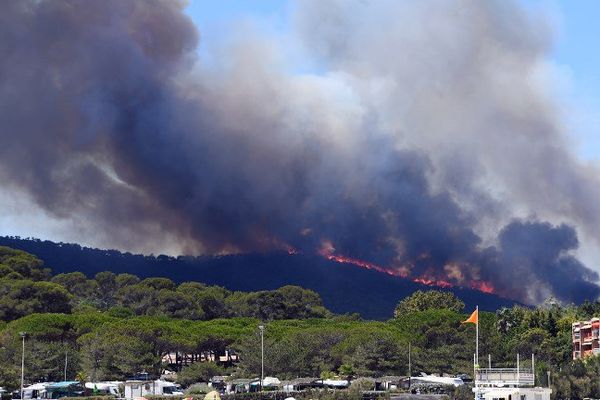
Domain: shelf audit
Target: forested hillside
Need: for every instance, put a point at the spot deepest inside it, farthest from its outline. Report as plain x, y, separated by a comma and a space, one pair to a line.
113, 326
344, 288
28, 287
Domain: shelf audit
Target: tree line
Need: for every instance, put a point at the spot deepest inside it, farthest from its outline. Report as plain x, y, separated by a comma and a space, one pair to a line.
113, 326
27, 287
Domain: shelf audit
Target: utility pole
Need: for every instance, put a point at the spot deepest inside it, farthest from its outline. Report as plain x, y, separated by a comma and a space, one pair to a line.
533, 367
66, 362
518, 370
409, 366
261, 327
23, 334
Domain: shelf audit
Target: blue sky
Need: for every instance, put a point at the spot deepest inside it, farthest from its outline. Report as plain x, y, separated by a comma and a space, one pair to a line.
577, 49
576, 52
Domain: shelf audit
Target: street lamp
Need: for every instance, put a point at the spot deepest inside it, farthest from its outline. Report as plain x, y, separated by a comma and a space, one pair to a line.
23, 334
261, 327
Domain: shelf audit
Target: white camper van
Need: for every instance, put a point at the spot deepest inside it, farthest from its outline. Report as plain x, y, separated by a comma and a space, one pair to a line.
104, 388
35, 391
139, 388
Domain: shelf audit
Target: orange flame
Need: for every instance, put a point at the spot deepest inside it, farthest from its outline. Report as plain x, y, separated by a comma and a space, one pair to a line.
482, 286
327, 250
433, 282
362, 264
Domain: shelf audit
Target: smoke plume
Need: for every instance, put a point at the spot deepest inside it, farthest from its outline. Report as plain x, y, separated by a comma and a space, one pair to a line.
427, 143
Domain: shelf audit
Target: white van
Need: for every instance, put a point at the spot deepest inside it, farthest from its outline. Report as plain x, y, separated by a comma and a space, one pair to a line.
104, 388
137, 388
35, 391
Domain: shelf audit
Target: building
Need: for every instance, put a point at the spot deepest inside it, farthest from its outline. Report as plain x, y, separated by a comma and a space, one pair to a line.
508, 384
586, 340
392, 383
174, 361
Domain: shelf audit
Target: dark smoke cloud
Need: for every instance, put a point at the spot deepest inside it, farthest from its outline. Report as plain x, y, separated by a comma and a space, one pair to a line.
538, 253
415, 151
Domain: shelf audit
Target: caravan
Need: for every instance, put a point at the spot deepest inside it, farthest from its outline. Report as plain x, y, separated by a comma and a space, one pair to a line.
434, 379
141, 388
103, 388
34, 391
63, 389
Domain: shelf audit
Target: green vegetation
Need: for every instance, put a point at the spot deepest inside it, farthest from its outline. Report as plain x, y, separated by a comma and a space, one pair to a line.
199, 372
432, 299
26, 288
113, 326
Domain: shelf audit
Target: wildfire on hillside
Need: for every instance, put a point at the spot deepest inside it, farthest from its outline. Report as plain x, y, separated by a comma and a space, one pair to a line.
327, 250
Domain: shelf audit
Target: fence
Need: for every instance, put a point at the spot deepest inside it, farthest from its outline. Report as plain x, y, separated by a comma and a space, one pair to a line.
504, 376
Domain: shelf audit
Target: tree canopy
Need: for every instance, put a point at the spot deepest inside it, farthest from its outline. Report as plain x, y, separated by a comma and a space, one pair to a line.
112, 326
27, 287
428, 300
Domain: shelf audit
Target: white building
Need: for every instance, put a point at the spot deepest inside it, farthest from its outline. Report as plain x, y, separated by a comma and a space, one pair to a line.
508, 384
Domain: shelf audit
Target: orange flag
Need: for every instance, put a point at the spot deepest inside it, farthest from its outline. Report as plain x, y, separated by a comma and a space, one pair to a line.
473, 319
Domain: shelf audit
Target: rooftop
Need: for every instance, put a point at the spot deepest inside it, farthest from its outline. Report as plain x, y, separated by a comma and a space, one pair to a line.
500, 377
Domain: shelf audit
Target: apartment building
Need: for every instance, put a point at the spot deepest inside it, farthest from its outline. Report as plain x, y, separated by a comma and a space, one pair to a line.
586, 338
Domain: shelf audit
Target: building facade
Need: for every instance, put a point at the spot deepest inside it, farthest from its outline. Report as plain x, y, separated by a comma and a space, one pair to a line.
586, 338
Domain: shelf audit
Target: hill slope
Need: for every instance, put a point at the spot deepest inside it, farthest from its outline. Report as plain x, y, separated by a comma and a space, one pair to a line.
344, 288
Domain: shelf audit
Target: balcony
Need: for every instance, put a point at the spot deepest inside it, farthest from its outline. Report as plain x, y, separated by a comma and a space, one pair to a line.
576, 336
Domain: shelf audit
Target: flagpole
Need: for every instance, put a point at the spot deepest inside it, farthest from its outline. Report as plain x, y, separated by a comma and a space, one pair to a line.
477, 337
